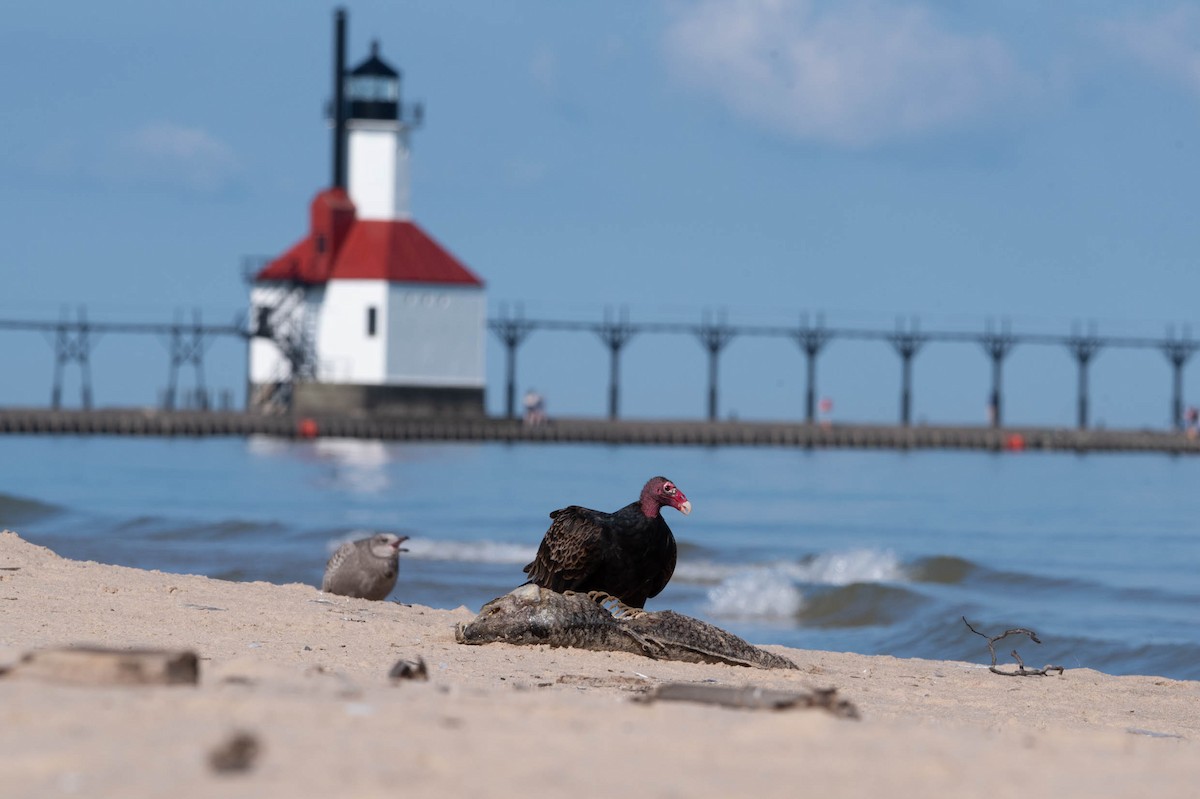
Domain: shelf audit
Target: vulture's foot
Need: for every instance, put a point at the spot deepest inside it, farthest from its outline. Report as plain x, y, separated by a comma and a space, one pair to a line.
616, 607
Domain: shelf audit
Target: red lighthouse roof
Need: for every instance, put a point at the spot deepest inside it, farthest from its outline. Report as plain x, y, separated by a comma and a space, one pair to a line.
342, 247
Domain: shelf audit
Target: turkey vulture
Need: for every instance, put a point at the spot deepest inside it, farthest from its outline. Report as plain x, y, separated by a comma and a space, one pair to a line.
629, 554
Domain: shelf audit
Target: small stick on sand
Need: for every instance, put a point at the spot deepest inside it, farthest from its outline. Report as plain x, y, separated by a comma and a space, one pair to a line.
1020, 671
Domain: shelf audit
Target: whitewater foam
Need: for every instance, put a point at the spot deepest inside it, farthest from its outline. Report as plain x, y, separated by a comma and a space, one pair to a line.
470, 551
773, 591
850, 566
455, 551
704, 572
760, 593
828, 568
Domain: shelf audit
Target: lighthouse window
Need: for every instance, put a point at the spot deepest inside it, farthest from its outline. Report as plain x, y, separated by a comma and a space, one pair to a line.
262, 321
374, 89
371, 321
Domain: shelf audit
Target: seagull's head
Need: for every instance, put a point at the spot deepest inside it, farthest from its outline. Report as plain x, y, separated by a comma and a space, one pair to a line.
387, 545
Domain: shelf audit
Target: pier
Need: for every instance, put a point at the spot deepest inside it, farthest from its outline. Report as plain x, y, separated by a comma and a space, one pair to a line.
198, 424
72, 341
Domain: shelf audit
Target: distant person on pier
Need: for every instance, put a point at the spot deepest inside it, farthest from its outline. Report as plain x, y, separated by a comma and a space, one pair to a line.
535, 408
1191, 419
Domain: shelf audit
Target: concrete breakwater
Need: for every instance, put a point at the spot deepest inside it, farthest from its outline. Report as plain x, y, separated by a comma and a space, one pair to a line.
145, 422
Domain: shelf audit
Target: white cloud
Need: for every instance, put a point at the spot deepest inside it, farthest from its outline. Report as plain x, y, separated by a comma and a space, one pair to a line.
171, 154
163, 155
1168, 42
158, 154
852, 74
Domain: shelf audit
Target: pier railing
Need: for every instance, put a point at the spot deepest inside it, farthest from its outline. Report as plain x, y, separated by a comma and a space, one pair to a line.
715, 333
73, 339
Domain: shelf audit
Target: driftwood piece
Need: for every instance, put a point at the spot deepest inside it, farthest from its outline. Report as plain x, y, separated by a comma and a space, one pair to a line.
1020, 671
87, 665
750, 697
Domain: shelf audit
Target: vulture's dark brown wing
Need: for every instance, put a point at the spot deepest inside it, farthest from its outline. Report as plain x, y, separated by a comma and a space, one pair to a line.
567, 554
668, 569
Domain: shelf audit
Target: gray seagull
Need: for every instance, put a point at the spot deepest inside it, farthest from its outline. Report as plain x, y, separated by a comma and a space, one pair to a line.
365, 568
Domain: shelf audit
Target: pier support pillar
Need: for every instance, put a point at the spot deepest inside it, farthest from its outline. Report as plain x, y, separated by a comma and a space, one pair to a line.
907, 344
1178, 352
997, 346
187, 346
811, 340
1084, 348
714, 336
512, 332
615, 334
73, 344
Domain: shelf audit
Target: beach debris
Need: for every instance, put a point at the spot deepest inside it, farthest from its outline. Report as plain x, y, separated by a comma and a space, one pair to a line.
237, 753
531, 615
1020, 670
1153, 733
750, 697
623, 681
365, 568
629, 554
405, 669
91, 665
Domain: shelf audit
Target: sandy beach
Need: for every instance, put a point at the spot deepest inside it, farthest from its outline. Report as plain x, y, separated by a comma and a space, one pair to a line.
305, 676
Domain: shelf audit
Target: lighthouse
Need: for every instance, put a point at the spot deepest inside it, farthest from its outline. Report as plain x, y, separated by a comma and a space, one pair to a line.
367, 313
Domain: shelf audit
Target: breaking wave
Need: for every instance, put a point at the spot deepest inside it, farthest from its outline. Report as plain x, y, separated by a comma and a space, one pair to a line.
757, 593
826, 568
851, 566
778, 591
469, 551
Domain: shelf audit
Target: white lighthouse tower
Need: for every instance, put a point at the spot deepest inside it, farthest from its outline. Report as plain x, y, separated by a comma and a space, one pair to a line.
367, 313
377, 140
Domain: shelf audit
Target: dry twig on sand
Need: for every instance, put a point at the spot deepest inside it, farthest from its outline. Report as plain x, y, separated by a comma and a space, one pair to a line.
1020, 671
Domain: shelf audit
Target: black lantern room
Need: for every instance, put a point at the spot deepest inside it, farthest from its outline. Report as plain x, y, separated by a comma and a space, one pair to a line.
373, 89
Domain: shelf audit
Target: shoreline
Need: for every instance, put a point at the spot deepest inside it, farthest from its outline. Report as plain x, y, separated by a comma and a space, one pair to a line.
306, 674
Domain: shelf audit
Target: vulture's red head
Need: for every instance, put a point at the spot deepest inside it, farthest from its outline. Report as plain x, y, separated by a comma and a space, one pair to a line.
660, 491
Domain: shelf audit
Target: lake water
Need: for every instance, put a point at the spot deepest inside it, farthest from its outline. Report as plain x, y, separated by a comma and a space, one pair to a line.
872, 552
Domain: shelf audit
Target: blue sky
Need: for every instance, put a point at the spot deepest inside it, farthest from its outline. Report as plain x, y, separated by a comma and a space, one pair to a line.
954, 161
